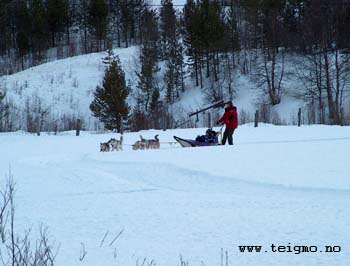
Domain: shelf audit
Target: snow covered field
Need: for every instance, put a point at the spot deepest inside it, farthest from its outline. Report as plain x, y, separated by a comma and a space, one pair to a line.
276, 185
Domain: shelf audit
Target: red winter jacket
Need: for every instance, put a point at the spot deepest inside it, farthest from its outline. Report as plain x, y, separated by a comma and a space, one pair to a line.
230, 118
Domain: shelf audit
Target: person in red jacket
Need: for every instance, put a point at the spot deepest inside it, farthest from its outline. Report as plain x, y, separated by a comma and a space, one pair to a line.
230, 119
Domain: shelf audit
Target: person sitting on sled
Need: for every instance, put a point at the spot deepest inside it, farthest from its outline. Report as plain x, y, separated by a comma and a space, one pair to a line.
209, 137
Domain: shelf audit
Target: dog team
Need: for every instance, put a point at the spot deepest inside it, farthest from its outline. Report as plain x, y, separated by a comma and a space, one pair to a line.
142, 144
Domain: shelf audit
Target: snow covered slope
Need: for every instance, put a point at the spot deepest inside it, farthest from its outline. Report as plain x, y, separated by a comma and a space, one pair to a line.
276, 185
64, 88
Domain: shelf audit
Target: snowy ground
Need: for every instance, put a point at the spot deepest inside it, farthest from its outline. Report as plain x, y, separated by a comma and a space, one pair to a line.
277, 185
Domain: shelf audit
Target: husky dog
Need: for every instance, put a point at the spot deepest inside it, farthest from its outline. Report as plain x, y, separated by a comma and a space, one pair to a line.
116, 145
153, 143
104, 147
140, 144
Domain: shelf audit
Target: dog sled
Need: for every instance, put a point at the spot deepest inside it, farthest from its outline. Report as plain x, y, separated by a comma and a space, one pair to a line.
211, 138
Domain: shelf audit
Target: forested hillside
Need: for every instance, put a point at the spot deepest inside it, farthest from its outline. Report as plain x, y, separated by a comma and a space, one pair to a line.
286, 49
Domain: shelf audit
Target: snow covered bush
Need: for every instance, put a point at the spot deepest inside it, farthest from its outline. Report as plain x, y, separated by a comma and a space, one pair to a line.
16, 249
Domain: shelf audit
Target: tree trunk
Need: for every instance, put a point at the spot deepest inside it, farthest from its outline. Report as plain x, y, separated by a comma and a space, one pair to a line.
196, 67
208, 68
333, 116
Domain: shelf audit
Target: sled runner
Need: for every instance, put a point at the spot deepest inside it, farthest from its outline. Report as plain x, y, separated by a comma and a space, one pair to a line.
210, 139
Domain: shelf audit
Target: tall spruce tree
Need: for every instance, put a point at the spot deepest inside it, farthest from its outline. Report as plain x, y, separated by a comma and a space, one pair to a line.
167, 27
39, 27
4, 27
138, 120
4, 111
98, 14
155, 107
192, 23
130, 19
83, 23
109, 104
23, 21
211, 33
126, 20
149, 67
232, 34
57, 16
175, 67
148, 57
109, 58
171, 50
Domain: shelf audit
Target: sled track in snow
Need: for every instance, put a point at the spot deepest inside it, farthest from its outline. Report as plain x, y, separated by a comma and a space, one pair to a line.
177, 145
201, 180
292, 141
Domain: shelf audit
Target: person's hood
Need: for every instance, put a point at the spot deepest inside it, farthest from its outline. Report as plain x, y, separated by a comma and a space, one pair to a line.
230, 108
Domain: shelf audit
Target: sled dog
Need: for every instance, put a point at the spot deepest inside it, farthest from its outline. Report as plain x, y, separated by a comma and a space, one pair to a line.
140, 144
153, 143
116, 145
104, 147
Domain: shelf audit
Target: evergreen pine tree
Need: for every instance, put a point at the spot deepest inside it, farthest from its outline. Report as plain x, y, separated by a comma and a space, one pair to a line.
211, 34
126, 20
109, 58
192, 25
148, 57
130, 20
23, 27
167, 27
109, 104
149, 67
155, 108
171, 50
149, 27
4, 111
179, 75
138, 120
169, 78
39, 27
57, 16
178, 59
83, 23
4, 28
98, 14
174, 75
232, 34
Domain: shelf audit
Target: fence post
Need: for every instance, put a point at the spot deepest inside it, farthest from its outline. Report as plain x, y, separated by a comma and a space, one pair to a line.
342, 118
256, 121
77, 133
209, 120
299, 117
164, 124
38, 126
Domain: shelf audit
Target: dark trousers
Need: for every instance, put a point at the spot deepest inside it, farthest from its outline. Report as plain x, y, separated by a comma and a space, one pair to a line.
228, 134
